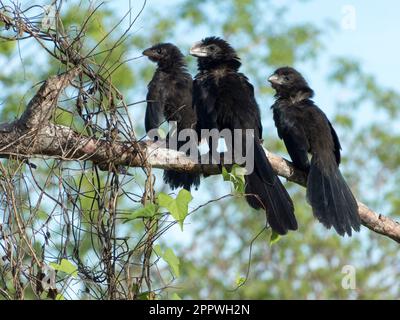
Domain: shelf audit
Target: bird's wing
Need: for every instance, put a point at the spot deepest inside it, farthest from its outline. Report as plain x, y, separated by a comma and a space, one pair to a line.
204, 98
242, 108
182, 109
326, 132
250, 90
294, 137
297, 145
155, 108
336, 142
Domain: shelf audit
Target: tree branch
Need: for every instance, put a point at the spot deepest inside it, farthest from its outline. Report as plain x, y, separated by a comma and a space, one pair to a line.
34, 135
40, 109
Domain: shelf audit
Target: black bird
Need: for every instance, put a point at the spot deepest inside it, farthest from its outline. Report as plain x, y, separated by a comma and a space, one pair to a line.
305, 129
170, 98
224, 99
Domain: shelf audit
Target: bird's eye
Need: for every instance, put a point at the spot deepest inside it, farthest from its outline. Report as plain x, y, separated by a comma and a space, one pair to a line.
213, 48
287, 78
159, 50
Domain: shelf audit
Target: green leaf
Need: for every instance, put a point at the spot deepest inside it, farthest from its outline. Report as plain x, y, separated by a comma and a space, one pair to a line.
239, 171
149, 211
240, 280
42, 215
43, 295
236, 176
148, 295
177, 207
157, 250
66, 267
172, 260
175, 296
161, 133
274, 238
60, 297
169, 257
225, 174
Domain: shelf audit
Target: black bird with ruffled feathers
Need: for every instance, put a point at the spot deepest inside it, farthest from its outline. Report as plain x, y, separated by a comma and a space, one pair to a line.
305, 129
169, 98
224, 99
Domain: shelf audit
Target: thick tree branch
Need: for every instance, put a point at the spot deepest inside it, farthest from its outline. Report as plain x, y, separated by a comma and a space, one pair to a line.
40, 109
34, 135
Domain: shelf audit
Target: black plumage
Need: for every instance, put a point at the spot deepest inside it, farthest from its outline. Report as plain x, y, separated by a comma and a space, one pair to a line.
305, 129
169, 98
224, 99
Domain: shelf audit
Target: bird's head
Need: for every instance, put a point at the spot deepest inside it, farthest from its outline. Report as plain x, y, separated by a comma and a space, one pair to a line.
215, 50
288, 81
164, 54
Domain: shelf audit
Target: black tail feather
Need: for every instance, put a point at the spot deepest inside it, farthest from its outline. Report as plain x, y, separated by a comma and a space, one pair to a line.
184, 180
177, 179
331, 199
265, 191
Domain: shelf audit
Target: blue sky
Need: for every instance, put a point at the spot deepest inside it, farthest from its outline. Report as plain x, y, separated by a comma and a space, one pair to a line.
373, 41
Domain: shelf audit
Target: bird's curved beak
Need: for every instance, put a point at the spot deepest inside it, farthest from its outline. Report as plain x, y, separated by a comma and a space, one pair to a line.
275, 79
147, 52
197, 50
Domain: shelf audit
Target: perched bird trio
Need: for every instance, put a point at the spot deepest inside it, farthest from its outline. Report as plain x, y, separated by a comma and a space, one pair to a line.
220, 97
